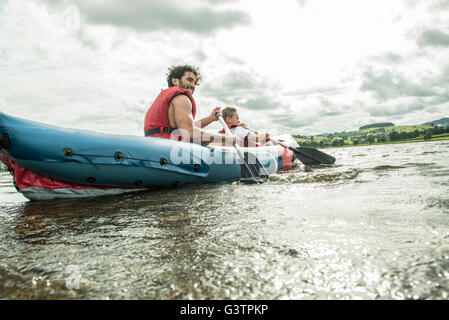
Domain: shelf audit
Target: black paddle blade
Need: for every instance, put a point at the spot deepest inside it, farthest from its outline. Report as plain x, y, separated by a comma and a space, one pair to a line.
252, 170
311, 156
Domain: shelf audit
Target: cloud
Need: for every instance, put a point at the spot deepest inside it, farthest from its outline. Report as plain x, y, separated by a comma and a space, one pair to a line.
219, 1
313, 110
411, 3
326, 89
325, 107
240, 81
200, 55
411, 85
302, 3
234, 60
395, 108
162, 15
434, 38
244, 89
401, 90
260, 103
294, 121
129, 112
388, 58
48, 74
103, 75
386, 84
440, 5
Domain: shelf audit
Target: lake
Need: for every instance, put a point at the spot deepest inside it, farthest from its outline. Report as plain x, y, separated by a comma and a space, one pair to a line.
374, 226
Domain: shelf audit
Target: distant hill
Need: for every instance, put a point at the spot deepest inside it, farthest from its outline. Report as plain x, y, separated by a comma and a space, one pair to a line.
377, 125
443, 122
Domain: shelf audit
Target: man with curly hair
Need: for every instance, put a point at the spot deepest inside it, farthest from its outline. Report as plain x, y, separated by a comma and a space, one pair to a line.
175, 108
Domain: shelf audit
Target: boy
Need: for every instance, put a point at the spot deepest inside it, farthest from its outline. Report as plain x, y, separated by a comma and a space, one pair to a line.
250, 139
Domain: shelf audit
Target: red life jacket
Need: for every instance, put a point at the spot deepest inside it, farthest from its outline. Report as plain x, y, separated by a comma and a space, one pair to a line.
157, 115
223, 131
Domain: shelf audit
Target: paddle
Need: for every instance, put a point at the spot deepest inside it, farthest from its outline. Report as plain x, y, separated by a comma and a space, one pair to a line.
248, 168
307, 155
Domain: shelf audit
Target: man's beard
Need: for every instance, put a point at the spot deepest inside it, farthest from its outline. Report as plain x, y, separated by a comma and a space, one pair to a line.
185, 86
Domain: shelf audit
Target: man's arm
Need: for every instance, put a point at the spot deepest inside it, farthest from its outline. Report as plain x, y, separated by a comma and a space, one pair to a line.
183, 119
209, 119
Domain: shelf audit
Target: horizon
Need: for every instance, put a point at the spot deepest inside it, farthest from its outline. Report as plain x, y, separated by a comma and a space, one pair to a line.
369, 124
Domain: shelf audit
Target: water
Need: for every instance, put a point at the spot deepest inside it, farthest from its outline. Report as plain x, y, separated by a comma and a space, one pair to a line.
375, 226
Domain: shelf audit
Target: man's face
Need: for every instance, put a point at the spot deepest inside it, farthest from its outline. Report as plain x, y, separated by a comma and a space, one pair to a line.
187, 81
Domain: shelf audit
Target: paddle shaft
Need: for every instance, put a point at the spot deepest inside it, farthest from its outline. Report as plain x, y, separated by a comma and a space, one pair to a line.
225, 127
256, 170
236, 146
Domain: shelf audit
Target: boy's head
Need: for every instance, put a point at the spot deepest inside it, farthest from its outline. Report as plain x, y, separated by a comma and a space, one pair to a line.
230, 115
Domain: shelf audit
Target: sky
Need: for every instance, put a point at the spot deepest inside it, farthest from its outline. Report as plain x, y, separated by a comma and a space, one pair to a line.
292, 66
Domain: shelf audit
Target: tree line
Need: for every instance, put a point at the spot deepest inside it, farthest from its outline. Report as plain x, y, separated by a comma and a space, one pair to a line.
376, 136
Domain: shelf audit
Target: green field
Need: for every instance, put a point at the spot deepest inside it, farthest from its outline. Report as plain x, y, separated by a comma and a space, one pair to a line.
445, 137
397, 128
379, 135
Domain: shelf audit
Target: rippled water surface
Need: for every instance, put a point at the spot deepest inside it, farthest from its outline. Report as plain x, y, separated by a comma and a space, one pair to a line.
374, 226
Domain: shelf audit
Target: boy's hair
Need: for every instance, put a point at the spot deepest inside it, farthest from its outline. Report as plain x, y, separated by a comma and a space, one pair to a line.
178, 71
228, 112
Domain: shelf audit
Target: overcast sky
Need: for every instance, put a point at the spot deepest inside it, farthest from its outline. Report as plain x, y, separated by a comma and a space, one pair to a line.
290, 66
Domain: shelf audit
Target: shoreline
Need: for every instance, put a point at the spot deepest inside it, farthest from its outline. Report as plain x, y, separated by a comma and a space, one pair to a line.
382, 143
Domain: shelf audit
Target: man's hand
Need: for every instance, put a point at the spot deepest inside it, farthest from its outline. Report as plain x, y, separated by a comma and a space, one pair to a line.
209, 119
212, 116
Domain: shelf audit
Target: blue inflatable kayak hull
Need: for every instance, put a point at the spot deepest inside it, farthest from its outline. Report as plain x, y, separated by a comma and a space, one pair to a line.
61, 162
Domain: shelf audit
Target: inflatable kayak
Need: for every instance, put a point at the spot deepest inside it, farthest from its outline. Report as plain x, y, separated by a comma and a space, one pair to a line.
50, 162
